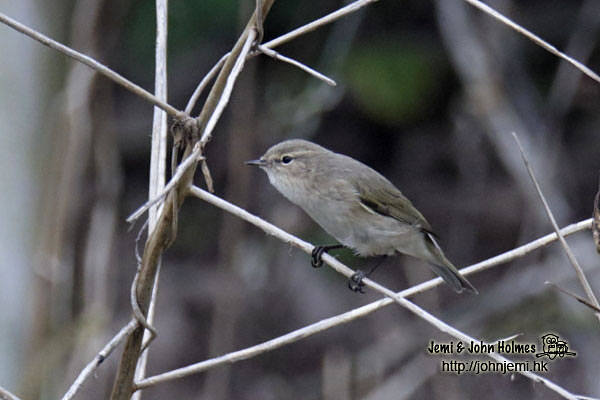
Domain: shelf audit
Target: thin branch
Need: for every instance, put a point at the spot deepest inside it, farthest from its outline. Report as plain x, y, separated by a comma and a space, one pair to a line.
207, 78
563, 242
138, 314
100, 357
90, 62
138, 238
232, 77
351, 315
534, 38
179, 172
158, 169
573, 295
158, 159
305, 68
207, 177
6, 395
327, 19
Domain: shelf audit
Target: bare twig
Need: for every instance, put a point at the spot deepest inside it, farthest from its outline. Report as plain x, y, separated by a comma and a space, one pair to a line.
138, 238
278, 56
6, 395
158, 159
581, 44
232, 77
137, 311
327, 19
563, 242
203, 83
573, 295
90, 62
100, 357
534, 38
207, 177
179, 172
158, 168
351, 315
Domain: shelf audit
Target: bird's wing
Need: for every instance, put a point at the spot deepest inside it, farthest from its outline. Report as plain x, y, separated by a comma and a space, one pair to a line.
388, 201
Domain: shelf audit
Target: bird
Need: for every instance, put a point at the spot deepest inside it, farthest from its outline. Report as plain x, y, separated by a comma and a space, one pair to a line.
356, 205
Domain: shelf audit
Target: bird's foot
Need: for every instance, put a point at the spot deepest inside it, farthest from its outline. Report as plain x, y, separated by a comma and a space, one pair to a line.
355, 282
316, 259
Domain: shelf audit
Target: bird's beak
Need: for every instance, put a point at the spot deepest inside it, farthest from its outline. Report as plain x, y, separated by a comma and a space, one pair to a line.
258, 163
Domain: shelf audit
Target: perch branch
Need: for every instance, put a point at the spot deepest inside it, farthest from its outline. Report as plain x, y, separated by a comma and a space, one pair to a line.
340, 319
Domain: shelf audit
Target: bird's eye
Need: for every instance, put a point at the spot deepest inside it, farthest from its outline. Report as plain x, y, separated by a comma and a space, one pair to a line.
286, 159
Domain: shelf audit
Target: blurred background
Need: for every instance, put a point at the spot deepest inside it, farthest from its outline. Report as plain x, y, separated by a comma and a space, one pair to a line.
428, 94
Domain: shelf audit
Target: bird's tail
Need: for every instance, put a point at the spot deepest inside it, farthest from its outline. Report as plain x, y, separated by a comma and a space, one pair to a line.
445, 269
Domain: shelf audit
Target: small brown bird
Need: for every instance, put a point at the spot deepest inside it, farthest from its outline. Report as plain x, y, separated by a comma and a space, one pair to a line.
356, 205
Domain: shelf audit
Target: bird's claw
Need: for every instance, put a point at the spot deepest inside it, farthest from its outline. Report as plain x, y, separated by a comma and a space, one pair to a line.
355, 282
316, 259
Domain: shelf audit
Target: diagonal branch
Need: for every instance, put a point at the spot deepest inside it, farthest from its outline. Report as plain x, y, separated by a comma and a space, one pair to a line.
573, 295
99, 359
6, 395
231, 77
203, 83
534, 38
277, 56
327, 19
563, 242
90, 62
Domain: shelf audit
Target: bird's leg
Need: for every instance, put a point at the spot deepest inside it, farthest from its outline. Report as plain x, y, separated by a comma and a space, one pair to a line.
315, 258
355, 282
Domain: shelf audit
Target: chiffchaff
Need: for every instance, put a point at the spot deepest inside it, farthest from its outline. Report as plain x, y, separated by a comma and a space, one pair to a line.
356, 205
